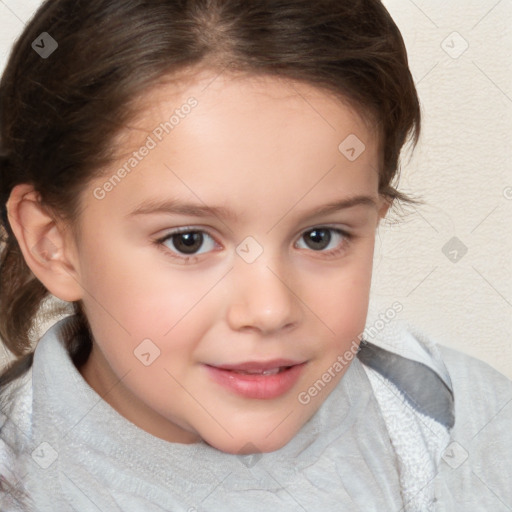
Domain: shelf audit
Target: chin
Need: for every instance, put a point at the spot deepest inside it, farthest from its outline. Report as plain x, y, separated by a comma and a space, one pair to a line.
251, 442
246, 446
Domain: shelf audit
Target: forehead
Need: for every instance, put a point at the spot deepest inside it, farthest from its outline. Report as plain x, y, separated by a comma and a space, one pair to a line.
262, 138
279, 100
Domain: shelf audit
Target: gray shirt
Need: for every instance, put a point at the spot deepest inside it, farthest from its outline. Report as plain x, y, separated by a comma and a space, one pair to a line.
403, 430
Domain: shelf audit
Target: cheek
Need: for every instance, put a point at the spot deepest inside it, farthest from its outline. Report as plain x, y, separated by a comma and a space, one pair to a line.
342, 296
137, 289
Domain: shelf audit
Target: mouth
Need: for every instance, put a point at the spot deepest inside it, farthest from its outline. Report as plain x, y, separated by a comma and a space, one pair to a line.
263, 380
272, 367
270, 371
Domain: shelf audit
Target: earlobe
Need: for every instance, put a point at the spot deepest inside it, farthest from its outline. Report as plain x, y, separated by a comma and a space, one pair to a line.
45, 247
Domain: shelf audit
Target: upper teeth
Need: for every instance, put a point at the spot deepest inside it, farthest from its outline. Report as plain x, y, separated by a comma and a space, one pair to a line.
271, 371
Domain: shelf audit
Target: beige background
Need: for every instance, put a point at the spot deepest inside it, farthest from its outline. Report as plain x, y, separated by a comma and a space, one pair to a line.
460, 57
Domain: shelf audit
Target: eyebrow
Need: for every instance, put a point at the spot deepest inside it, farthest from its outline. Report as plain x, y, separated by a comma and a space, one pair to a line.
170, 206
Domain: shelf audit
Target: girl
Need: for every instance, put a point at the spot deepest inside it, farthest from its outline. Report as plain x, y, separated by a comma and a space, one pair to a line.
202, 181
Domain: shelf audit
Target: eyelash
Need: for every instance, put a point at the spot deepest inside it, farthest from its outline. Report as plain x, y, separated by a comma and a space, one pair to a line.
160, 242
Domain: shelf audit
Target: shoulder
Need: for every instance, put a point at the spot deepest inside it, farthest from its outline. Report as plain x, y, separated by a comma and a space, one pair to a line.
414, 360
476, 465
15, 399
482, 394
472, 371
15, 428
472, 400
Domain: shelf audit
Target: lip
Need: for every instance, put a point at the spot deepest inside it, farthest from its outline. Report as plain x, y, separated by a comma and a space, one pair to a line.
263, 387
258, 365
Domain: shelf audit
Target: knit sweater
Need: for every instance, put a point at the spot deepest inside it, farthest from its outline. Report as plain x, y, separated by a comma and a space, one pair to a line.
411, 426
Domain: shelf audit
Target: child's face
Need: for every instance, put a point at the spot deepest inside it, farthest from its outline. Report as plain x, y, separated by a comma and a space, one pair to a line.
262, 285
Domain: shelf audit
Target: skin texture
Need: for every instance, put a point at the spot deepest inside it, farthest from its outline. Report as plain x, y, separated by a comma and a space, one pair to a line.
267, 150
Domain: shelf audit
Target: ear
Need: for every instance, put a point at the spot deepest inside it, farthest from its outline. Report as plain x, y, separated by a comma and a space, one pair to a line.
47, 246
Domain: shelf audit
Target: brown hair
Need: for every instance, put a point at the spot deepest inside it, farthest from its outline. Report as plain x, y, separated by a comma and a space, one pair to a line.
59, 115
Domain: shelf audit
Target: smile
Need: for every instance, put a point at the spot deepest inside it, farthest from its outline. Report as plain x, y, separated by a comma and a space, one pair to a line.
262, 381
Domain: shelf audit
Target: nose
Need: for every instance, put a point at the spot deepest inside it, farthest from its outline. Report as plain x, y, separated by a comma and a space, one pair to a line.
262, 298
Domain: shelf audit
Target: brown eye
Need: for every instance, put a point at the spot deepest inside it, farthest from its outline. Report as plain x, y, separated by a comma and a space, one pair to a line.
325, 240
318, 239
187, 243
